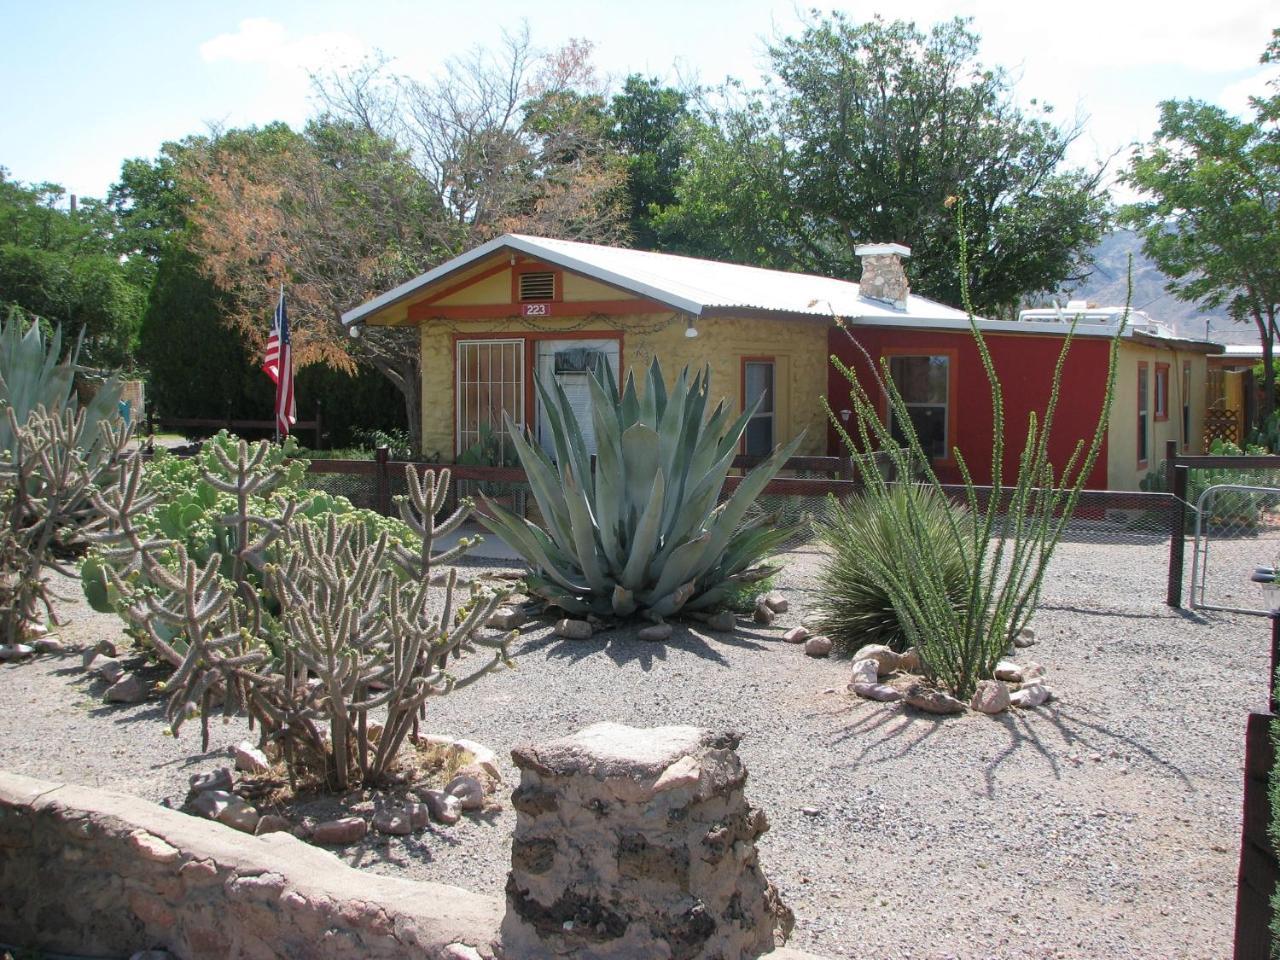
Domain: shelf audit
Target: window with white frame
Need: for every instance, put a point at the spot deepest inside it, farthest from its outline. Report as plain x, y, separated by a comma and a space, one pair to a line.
490, 383
758, 384
924, 382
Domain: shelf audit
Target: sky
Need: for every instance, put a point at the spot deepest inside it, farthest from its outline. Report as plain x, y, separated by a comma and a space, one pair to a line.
90, 83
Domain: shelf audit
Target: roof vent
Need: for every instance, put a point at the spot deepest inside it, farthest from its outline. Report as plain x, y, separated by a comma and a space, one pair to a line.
537, 286
883, 277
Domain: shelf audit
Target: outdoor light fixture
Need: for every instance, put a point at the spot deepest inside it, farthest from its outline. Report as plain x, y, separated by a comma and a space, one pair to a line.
845, 415
690, 331
355, 331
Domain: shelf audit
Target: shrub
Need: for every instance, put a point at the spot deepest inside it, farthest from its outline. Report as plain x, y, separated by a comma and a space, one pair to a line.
644, 534
855, 607
1238, 510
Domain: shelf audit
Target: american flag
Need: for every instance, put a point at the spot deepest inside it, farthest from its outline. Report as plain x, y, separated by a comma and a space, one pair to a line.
279, 367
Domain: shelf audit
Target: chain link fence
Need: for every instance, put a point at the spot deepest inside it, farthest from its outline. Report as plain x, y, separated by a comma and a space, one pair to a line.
1235, 529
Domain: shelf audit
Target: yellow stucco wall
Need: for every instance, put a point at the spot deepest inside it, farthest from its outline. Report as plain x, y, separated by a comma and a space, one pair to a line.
798, 347
496, 289
1123, 469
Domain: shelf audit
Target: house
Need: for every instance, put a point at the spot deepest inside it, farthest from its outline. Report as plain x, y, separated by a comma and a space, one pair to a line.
1232, 392
491, 317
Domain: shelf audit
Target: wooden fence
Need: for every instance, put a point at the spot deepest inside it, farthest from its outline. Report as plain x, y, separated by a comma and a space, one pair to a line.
214, 424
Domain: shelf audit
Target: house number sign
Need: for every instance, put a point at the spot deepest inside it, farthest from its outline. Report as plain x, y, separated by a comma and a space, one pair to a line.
536, 309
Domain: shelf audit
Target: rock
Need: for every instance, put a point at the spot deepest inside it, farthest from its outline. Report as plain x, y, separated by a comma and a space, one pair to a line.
796, 635
469, 791
483, 757
106, 668
930, 700
128, 689
1031, 694
877, 691
48, 645
397, 823
573, 629
658, 631
419, 815
460, 951
340, 831
991, 696
211, 803
108, 648
1032, 671
864, 671
1008, 671
506, 618
240, 816
272, 823
219, 779
763, 614
15, 651
776, 602
817, 646
445, 808
723, 622
305, 828
886, 660
249, 759
1025, 637
87, 657
909, 660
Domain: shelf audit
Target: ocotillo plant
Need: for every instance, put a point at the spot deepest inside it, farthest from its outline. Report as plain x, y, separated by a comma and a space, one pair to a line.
1007, 542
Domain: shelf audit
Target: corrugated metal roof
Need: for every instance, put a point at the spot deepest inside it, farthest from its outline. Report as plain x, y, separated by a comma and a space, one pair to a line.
684, 283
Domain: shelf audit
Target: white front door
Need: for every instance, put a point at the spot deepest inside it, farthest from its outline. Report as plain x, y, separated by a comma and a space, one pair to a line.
569, 362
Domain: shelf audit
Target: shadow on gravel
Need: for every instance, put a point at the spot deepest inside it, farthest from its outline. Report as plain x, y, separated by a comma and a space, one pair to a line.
623, 648
1070, 722
125, 713
889, 726
1123, 614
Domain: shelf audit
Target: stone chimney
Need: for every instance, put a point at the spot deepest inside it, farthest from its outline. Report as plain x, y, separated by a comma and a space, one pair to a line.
883, 278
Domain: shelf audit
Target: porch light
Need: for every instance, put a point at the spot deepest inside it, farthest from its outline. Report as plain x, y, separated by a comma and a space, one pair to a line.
354, 330
845, 415
690, 331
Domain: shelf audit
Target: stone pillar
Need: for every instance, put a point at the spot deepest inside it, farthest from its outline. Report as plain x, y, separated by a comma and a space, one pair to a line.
883, 276
637, 843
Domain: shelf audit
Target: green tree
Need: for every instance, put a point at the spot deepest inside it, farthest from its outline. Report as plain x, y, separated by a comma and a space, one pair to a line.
1210, 210
861, 134
651, 126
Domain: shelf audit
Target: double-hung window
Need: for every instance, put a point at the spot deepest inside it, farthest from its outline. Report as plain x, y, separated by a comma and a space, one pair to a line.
1186, 405
924, 384
1144, 394
1162, 391
758, 385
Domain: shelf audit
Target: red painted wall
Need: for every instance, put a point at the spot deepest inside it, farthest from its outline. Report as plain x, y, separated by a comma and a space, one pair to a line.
1023, 362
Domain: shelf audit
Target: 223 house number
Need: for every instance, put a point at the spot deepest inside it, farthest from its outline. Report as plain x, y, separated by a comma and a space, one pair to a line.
537, 309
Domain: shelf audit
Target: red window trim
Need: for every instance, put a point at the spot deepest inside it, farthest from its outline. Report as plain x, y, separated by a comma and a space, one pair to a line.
1144, 410
1161, 393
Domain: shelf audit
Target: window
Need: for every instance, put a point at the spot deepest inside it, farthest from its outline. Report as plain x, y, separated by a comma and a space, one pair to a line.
757, 384
1186, 405
924, 383
490, 383
1143, 393
1162, 391
537, 287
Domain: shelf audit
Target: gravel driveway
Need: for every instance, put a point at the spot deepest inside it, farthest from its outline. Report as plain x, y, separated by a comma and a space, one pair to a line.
1103, 825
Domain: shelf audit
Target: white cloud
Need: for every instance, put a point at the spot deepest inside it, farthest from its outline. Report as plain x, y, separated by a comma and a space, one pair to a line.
267, 42
1235, 97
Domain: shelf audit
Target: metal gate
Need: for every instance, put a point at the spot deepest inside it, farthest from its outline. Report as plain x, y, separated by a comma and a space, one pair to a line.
1237, 530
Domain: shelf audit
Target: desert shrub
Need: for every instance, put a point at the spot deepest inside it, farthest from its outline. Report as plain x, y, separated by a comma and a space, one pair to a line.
643, 534
1239, 510
862, 539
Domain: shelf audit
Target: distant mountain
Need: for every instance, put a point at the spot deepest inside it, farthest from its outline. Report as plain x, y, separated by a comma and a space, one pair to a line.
1107, 284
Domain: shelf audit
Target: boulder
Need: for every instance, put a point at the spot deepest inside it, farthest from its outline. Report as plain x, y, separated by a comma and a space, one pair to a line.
48, 645
249, 759
932, 701
886, 660
876, 691
864, 671
444, 807
239, 816
15, 651
1008, 671
87, 657
654, 632
776, 602
1031, 694
723, 622
817, 647
128, 689
219, 779
909, 660
506, 618
397, 823
1025, 637
211, 803
341, 831
796, 635
573, 629
469, 791
108, 648
105, 667
418, 814
991, 696
1031, 670
763, 614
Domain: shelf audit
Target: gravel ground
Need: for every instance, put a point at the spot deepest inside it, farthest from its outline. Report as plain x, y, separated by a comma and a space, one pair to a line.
1103, 825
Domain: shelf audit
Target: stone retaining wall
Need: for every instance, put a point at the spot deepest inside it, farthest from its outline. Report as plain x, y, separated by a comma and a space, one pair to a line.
98, 873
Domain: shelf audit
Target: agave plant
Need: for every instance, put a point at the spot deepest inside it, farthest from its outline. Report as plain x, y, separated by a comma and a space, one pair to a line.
644, 533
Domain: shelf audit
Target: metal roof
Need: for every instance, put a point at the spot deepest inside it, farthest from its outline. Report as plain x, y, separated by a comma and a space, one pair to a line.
686, 284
